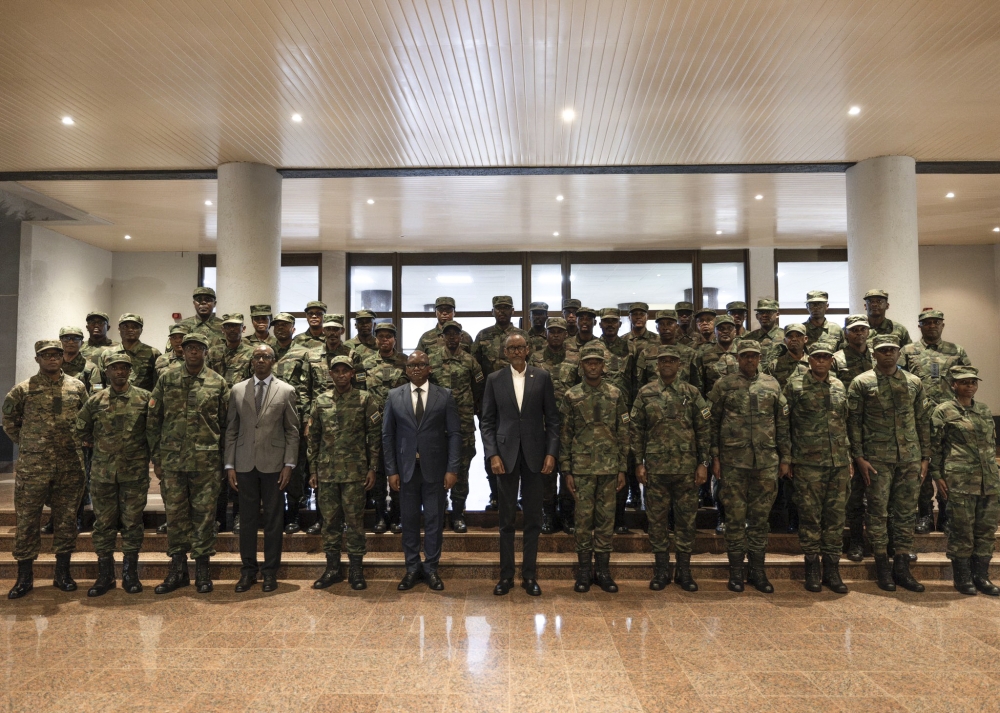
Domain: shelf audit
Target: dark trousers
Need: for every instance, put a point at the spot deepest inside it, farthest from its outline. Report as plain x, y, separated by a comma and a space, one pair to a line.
415, 494
532, 486
259, 490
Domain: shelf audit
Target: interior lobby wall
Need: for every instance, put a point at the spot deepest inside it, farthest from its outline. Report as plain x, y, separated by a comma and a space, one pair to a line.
153, 285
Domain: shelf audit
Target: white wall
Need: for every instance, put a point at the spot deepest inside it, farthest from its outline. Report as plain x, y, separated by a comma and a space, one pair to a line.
761, 276
61, 279
154, 286
334, 280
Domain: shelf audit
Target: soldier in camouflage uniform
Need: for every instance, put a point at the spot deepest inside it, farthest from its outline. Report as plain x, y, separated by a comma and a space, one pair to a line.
363, 342
444, 310
75, 364
818, 327
820, 464
638, 336
569, 308
114, 421
175, 355
185, 426
647, 365
671, 438
283, 325
717, 359
204, 321
930, 360
98, 341
260, 318
619, 370
704, 322
39, 415
889, 429
767, 317
454, 368
143, 356
316, 374
750, 449
538, 312
963, 448
593, 449
685, 334
738, 311
344, 432
586, 320
313, 337
876, 305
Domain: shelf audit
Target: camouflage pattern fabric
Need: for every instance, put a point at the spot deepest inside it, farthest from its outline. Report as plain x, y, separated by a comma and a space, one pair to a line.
187, 419
893, 495
620, 369
829, 332
670, 430
849, 365
930, 363
342, 503
189, 499
749, 423
210, 328
775, 335
363, 349
344, 435
537, 340
118, 505
782, 365
92, 350
972, 524
382, 374
889, 327
817, 420
487, 349
254, 341
144, 358
316, 371
640, 342
168, 361
433, 339
647, 372
821, 499
676, 491
564, 370
595, 512
233, 365
748, 494
889, 417
61, 487
463, 375
85, 370
713, 363
308, 341
595, 430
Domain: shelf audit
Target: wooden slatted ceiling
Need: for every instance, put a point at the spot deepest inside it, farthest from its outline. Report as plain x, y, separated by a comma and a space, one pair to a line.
386, 83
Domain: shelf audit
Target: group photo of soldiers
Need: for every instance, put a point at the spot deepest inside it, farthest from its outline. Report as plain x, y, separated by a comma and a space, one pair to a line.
854, 437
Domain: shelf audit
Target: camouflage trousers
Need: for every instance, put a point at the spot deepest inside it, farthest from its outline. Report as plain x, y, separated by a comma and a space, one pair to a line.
972, 524
892, 494
821, 499
460, 490
189, 499
59, 482
595, 512
666, 490
118, 505
340, 503
748, 495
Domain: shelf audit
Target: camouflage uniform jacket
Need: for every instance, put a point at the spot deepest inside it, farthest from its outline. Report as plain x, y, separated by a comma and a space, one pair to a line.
829, 332
232, 364
291, 368
344, 436
382, 375
86, 371
671, 427
620, 371
92, 350
687, 338
39, 415
647, 371
642, 341
890, 327
563, 368
253, 340
463, 375
488, 347
776, 335
307, 341
781, 365
595, 425
889, 417
930, 363
963, 448
168, 361
187, 420
210, 328
537, 340
280, 351
116, 424
849, 365
749, 422
432, 339
713, 364
316, 375
144, 358
817, 420
362, 349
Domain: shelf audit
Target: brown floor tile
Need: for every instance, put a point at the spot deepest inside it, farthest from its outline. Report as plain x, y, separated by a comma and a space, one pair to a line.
791, 683
868, 704
722, 684
335, 703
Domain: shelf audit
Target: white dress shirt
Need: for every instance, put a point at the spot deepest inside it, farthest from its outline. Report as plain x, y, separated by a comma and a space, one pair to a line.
518, 377
263, 399
413, 395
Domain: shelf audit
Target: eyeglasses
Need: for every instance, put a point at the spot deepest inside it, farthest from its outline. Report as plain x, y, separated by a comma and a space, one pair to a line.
418, 365
517, 348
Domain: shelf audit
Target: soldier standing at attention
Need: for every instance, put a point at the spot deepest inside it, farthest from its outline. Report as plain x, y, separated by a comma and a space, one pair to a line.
39, 416
175, 355
454, 368
97, 342
647, 366
316, 375
260, 318
363, 342
704, 322
313, 337
586, 319
444, 310
204, 321
538, 312
75, 364
750, 450
889, 430
185, 427
767, 317
820, 465
685, 335
619, 370
876, 305
113, 421
143, 356
718, 358
344, 433
818, 327
592, 454
738, 311
930, 360
963, 444
569, 314
671, 437
283, 324
638, 336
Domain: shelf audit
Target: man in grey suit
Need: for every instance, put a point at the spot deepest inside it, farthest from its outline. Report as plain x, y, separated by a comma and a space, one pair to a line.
520, 429
262, 446
422, 450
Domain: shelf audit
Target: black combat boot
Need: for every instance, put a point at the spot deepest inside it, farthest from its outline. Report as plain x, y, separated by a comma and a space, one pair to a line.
757, 576
177, 576
548, 519
62, 579
584, 571
381, 524
105, 576
961, 568
620, 527
831, 574
602, 572
356, 572
883, 573
981, 576
130, 573
203, 575
901, 574
331, 575
292, 517
922, 525
814, 580
661, 571
682, 574
856, 548
735, 583
458, 517
162, 528
25, 580
48, 527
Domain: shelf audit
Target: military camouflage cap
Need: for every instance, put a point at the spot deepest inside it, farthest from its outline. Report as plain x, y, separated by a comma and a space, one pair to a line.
930, 314
963, 372
445, 302
502, 300
195, 337
684, 306
666, 314
70, 332
365, 314
795, 327
538, 307
260, 310
668, 350
234, 318
102, 315
345, 360
856, 320
43, 344
130, 317
883, 341
333, 320
638, 306
571, 304
819, 348
706, 310
178, 329
117, 358
738, 305
817, 296
388, 327
283, 317
315, 304
556, 323
592, 352
342, 318
876, 293
723, 319
587, 310
766, 305
748, 345
198, 291
610, 313
451, 323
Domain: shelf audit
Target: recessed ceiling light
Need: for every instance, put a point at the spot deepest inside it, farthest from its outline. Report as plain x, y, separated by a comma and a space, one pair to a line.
568, 115
128, 237
371, 201
297, 118
208, 202
996, 229
759, 197
854, 110
949, 194
68, 120
559, 198
555, 234
718, 232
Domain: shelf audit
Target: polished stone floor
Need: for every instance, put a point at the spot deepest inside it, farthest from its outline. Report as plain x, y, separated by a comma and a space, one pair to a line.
465, 650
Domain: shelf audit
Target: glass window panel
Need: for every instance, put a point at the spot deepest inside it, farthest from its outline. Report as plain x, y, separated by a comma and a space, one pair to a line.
546, 286
472, 286
722, 283
371, 288
795, 279
413, 327
299, 285
208, 278
660, 285
301, 325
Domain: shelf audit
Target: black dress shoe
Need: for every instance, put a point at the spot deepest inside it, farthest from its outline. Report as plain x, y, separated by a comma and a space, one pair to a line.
503, 587
434, 581
532, 588
270, 583
162, 529
316, 528
292, 527
246, 581
622, 530
396, 528
409, 580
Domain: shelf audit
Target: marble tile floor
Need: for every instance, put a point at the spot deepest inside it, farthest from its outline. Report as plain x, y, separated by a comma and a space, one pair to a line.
466, 650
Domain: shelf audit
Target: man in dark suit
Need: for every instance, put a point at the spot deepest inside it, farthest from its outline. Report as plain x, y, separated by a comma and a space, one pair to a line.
422, 449
520, 429
262, 446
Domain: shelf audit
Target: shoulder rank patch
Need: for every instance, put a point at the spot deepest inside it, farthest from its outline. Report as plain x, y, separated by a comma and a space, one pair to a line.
785, 410
376, 417
479, 377
635, 411
8, 406
625, 418
706, 413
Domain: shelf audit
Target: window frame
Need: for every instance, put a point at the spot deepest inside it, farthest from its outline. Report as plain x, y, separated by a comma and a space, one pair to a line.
807, 255
287, 260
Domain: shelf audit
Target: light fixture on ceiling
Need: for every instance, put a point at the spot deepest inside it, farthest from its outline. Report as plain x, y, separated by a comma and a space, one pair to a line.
371, 201
718, 232
559, 198
759, 197
568, 114
208, 202
297, 118
854, 110
555, 234
68, 120
128, 237
949, 194
455, 279
996, 229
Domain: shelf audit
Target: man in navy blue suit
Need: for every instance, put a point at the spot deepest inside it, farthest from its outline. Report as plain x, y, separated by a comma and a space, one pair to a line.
422, 448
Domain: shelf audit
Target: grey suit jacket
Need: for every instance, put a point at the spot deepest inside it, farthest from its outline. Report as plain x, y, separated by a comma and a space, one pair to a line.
266, 441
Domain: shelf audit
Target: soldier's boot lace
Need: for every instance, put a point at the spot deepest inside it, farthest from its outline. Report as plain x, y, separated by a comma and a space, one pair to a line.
105, 576
961, 568
458, 517
661, 571
584, 572
735, 583
813, 577
883, 573
758, 577
602, 572
177, 577
683, 573
25, 579
62, 578
901, 574
331, 575
356, 572
203, 575
381, 524
981, 576
831, 574
130, 573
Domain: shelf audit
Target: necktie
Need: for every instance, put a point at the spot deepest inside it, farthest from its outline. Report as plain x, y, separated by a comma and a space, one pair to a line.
260, 395
420, 406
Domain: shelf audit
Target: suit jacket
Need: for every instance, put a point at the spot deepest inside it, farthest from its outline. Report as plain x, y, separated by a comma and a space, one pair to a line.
266, 441
438, 439
534, 429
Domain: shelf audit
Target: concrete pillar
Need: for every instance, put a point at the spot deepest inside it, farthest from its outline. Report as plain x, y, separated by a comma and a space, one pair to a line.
882, 247
761, 275
248, 248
